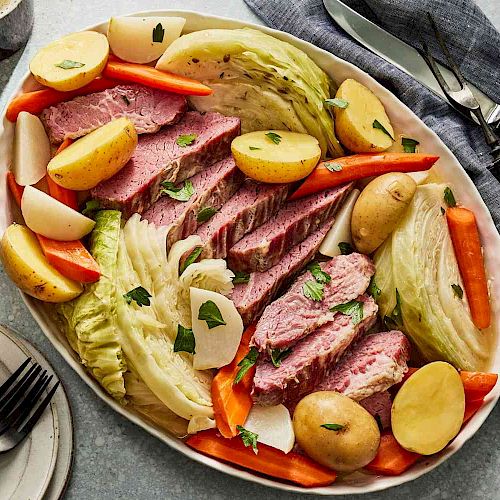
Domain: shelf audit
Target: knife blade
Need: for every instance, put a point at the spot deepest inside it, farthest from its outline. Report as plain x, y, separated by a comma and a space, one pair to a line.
400, 54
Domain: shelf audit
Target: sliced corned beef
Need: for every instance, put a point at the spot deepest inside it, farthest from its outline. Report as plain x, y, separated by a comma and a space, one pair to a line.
158, 158
294, 315
379, 405
147, 108
251, 298
252, 205
372, 365
213, 187
310, 358
266, 246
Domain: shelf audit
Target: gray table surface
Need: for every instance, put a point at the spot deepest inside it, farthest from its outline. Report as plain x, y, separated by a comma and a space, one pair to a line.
114, 458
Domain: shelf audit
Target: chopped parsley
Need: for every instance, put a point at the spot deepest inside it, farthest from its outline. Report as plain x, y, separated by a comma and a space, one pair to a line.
313, 290
182, 193
126, 100
345, 248
68, 64
240, 277
449, 197
373, 289
185, 140
249, 438
91, 207
158, 33
319, 275
278, 355
210, 313
395, 319
246, 363
337, 102
353, 308
379, 126
140, 295
409, 145
205, 214
333, 427
184, 342
457, 290
333, 167
272, 136
191, 258
443, 211
253, 148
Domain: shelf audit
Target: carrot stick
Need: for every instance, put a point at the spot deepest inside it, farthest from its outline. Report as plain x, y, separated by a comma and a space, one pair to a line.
15, 189
232, 402
351, 168
270, 461
35, 102
152, 77
66, 196
467, 245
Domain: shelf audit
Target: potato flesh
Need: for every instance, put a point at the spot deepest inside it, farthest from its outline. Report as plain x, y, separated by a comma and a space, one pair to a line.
293, 158
95, 157
26, 266
86, 47
354, 124
428, 410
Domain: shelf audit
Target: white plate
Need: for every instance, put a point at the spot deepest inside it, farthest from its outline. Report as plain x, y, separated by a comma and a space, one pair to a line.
403, 120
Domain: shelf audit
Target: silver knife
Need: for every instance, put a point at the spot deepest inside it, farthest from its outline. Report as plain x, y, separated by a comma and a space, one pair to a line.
400, 54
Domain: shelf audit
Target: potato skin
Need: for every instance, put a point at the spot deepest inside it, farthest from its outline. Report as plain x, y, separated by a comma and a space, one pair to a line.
354, 124
379, 208
345, 450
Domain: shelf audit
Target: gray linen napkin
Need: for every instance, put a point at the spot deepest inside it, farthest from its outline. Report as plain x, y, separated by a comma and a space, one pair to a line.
473, 41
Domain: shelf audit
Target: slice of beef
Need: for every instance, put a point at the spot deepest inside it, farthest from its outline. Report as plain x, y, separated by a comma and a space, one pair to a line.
294, 315
213, 187
158, 158
252, 205
372, 365
147, 108
266, 246
379, 405
251, 298
310, 359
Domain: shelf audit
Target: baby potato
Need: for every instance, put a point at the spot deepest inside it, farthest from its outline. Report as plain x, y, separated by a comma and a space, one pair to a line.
379, 208
354, 125
336, 431
95, 157
26, 266
276, 156
72, 61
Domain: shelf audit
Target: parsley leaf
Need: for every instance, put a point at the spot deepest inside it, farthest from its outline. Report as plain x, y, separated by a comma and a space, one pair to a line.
210, 313
68, 64
206, 213
449, 197
333, 167
240, 277
409, 145
395, 319
246, 363
337, 102
184, 342
185, 140
177, 193
140, 295
457, 290
319, 275
345, 248
158, 33
332, 427
313, 290
91, 207
353, 308
126, 100
191, 258
253, 148
249, 438
278, 355
379, 126
274, 137
373, 289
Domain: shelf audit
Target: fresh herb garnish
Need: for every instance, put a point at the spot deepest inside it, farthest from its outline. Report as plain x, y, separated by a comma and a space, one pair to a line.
177, 193
206, 213
443, 211
278, 355
68, 64
345, 248
373, 289
379, 126
126, 100
246, 363
449, 197
158, 33
337, 102
185, 140
240, 277
91, 207
409, 145
395, 319
140, 295
274, 137
332, 427
210, 313
184, 341
313, 290
319, 275
191, 258
333, 167
253, 148
457, 290
249, 438
353, 308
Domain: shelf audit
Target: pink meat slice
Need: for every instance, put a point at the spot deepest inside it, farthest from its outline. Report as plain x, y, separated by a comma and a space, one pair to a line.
158, 158
293, 315
251, 298
147, 108
310, 359
379, 405
267, 245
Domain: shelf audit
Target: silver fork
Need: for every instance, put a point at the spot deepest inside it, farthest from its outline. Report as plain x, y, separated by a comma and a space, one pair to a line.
20, 404
462, 99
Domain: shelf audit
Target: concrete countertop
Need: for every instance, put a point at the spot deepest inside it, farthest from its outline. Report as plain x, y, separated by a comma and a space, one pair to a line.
114, 459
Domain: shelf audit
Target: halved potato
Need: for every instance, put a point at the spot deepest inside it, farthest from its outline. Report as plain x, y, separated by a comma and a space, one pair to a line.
72, 61
95, 157
276, 156
26, 266
428, 410
354, 125
143, 39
